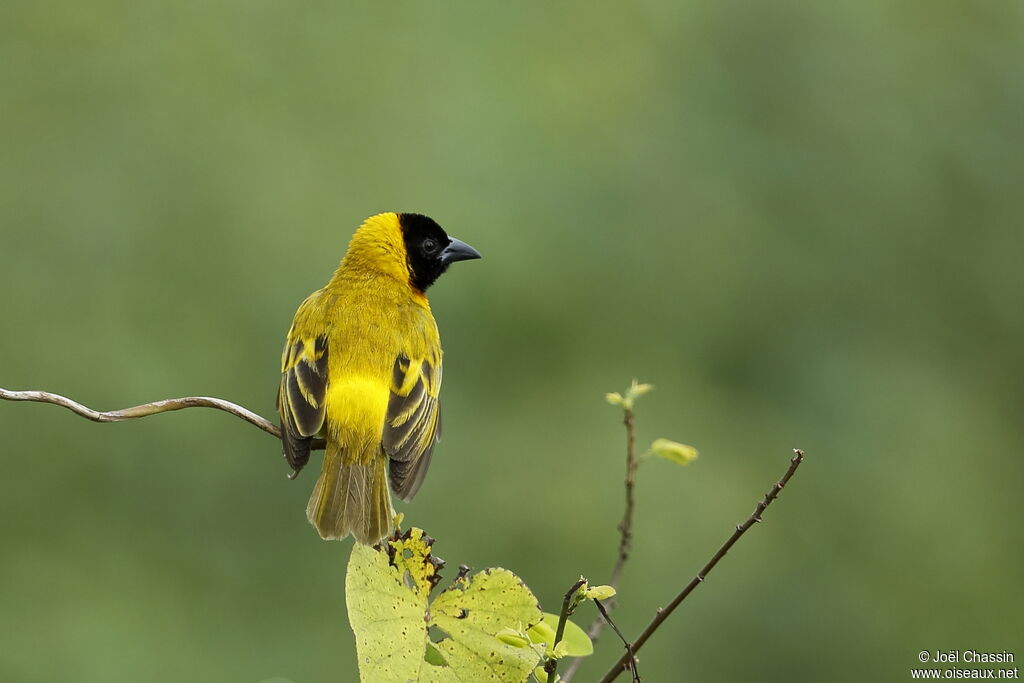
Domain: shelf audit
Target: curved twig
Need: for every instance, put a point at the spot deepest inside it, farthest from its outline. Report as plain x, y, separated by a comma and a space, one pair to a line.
147, 409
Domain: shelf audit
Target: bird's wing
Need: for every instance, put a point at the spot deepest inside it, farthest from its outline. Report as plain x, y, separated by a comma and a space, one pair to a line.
301, 397
413, 422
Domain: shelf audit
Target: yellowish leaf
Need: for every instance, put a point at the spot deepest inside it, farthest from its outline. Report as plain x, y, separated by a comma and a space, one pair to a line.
679, 453
474, 620
600, 592
575, 639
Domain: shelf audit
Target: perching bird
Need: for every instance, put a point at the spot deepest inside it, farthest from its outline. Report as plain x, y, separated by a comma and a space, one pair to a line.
362, 369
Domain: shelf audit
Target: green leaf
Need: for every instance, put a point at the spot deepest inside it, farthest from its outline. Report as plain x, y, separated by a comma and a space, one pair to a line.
472, 613
386, 616
473, 621
679, 453
577, 643
513, 637
600, 592
544, 632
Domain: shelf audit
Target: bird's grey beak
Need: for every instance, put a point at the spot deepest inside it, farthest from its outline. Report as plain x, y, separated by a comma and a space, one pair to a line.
457, 250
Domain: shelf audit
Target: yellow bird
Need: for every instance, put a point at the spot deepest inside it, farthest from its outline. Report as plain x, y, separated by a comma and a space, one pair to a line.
361, 369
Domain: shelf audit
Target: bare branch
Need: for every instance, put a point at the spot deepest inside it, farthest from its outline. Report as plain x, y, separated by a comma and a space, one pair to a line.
626, 525
623, 663
148, 409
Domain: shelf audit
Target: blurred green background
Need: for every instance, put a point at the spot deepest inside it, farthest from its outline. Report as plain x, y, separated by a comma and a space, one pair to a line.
802, 221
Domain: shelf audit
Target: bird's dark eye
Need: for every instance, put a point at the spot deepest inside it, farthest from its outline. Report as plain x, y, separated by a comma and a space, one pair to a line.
429, 246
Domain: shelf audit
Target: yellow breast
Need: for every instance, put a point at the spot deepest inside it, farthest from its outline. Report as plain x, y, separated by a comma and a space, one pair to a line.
356, 408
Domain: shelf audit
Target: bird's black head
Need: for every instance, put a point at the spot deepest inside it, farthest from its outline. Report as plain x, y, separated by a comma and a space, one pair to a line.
429, 249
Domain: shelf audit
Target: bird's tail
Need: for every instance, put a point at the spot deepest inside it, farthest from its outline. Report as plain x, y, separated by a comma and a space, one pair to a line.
351, 499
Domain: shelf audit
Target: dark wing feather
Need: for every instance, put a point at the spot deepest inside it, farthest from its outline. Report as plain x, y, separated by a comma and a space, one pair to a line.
413, 422
300, 399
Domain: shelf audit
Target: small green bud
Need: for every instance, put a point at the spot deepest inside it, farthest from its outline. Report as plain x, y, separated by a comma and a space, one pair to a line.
614, 398
679, 453
579, 596
560, 650
637, 390
512, 637
600, 592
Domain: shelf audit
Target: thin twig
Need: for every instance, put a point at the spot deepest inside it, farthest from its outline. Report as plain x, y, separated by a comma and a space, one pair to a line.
662, 614
148, 409
551, 666
626, 525
631, 660
625, 538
